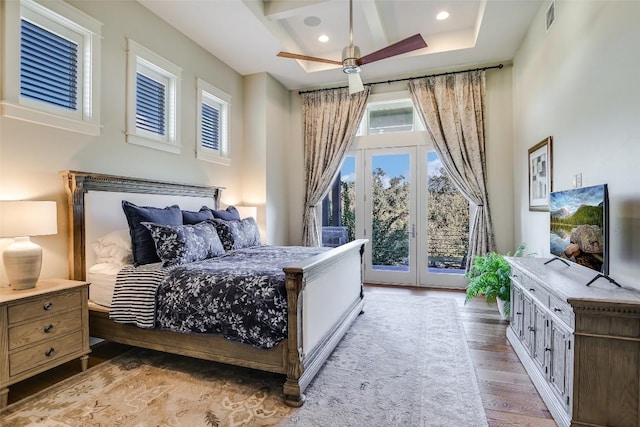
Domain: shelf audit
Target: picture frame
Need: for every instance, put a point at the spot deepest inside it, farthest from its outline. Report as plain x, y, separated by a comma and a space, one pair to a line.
540, 175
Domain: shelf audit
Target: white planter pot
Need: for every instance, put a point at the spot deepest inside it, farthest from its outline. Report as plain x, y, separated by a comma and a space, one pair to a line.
501, 308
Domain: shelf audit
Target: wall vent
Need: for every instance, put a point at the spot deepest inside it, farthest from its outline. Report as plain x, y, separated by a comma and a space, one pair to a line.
551, 15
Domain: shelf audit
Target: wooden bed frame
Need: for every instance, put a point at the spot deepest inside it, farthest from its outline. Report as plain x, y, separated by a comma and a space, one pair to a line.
324, 294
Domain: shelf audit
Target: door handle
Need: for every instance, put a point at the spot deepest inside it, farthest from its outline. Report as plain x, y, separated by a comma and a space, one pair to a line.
412, 233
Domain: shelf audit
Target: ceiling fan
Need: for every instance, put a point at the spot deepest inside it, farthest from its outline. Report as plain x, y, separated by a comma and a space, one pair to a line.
351, 59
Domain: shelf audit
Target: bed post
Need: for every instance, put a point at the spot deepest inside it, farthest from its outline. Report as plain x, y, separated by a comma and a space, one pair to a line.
293, 394
74, 186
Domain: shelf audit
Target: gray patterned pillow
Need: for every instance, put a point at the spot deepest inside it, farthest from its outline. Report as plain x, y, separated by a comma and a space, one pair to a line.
180, 244
238, 234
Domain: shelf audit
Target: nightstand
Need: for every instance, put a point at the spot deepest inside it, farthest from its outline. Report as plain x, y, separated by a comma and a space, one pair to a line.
41, 328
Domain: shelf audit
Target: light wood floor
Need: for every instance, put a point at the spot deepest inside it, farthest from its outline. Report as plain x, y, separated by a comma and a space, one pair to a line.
509, 397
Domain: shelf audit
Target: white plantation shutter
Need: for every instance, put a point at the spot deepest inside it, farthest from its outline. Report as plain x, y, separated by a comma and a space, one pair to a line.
210, 127
150, 104
48, 67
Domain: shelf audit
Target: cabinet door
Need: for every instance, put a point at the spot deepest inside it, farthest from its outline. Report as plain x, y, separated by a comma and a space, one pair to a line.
516, 309
560, 342
540, 325
528, 318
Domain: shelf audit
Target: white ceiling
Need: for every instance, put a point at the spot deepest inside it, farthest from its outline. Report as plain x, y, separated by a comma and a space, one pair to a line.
247, 34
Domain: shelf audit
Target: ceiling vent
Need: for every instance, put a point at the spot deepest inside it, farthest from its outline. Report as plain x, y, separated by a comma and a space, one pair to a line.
551, 15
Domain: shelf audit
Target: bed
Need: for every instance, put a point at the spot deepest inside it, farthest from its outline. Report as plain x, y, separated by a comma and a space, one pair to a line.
324, 292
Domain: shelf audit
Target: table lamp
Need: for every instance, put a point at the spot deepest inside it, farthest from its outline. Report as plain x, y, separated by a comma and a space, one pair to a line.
22, 219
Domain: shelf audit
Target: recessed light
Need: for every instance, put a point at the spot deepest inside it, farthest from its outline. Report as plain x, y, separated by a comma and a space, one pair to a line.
323, 38
312, 21
442, 15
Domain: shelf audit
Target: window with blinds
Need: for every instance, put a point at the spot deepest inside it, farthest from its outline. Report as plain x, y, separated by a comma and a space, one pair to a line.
210, 127
150, 104
153, 94
51, 65
48, 67
213, 124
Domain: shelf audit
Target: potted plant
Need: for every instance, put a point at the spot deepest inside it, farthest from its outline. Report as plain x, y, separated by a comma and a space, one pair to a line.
490, 275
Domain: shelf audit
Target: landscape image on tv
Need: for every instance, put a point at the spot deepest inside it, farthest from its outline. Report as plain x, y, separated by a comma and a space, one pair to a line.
578, 220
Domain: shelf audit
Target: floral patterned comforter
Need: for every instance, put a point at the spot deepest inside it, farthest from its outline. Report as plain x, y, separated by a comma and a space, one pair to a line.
241, 295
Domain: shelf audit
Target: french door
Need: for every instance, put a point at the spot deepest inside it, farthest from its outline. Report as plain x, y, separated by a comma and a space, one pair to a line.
392, 211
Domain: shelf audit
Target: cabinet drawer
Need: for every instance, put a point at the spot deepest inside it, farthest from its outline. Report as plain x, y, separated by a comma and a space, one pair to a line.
44, 329
45, 353
562, 309
539, 292
45, 306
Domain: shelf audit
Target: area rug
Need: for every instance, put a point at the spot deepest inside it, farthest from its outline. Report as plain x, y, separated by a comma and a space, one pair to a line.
404, 362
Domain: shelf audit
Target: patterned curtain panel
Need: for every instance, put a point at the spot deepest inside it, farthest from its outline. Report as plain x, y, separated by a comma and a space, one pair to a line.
331, 119
452, 108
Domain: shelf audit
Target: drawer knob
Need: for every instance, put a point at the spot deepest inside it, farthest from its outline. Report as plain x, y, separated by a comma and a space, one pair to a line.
48, 328
49, 352
47, 306
557, 309
532, 290
518, 313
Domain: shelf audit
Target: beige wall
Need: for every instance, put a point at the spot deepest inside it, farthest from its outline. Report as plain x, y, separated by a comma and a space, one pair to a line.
31, 155
578, 82
264, 178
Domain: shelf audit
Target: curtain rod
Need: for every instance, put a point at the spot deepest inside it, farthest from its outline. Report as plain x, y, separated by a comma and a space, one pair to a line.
499, 67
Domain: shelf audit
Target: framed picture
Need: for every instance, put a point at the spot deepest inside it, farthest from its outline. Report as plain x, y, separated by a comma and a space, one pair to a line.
540, 175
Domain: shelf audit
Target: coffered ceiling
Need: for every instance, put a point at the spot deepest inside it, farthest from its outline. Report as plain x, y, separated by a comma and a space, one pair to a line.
247, 34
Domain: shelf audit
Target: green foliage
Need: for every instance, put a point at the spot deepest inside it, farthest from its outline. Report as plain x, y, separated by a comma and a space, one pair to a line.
490, 276
348, 195
584, 215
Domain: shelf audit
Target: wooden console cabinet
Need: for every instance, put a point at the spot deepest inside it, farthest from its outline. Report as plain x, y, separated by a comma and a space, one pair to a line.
41, 328
580, 345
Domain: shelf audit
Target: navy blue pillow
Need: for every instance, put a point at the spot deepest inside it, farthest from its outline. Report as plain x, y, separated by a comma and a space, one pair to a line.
229, 214
142, 244
192, 218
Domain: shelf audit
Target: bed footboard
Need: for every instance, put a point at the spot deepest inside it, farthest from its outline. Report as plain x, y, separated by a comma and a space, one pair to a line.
324, 298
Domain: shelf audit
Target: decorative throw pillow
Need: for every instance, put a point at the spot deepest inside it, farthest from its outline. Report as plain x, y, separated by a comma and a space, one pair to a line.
142, 244
191, 217
238, 234
229, 214
180, 244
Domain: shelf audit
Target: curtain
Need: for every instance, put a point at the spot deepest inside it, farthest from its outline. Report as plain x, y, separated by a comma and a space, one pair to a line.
452, 108
331, 119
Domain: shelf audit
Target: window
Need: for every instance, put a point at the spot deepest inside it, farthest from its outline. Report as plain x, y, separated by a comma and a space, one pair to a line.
213, 124
51, 64
153, 90
389, 116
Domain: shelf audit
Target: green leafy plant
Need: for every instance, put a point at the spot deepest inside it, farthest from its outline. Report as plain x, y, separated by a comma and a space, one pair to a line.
489, 275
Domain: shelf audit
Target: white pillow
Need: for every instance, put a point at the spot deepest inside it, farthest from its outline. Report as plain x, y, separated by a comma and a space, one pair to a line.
114, 248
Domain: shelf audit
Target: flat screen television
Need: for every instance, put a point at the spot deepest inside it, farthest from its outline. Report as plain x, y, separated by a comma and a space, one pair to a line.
579, 226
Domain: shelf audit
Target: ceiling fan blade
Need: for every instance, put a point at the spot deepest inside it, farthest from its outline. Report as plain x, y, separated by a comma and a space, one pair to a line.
307, 58
355, 83
409, 44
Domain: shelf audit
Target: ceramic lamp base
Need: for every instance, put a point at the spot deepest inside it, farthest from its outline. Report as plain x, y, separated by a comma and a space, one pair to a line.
22, 262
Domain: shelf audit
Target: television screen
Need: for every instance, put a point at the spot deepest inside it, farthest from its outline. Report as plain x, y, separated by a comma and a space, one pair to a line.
578, 219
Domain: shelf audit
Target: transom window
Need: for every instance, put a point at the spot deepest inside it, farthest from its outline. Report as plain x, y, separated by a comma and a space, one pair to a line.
213, 124
390, 116
153, 91
51, 65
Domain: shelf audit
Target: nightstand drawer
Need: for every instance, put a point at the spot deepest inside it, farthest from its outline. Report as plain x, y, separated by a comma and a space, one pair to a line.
45, 329
47, 352
46, 306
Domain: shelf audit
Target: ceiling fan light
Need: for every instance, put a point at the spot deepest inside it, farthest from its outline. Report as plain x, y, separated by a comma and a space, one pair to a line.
355, 83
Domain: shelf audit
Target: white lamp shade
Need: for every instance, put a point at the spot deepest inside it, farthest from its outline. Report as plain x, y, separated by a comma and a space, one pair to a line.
20, 218
247, 211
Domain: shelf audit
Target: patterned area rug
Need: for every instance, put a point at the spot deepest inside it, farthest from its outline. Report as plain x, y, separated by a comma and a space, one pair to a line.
404, 362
